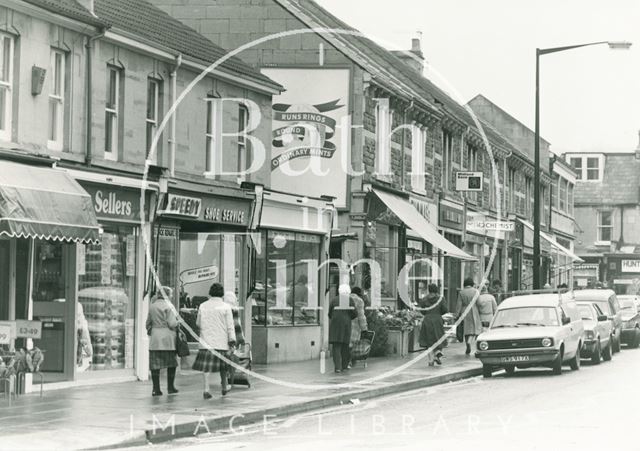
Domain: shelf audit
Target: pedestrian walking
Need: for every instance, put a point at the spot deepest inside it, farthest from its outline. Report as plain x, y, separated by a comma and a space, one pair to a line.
496, 290
487, 307
217, 332
162, 326
340, 329
359, 323
432, 328
472, 324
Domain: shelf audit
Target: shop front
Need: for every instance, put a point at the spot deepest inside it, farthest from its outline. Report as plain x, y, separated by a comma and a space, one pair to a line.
289, 279
451, 221
586, 274
201, 236
624, 273
44, 216
110, 276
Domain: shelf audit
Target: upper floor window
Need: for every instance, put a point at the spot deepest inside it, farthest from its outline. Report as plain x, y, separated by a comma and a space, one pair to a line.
154, 92
418, 144
213, 138
528, 194
562, 194
384, 124
570, 198
511, 181
587, 167
57, 100
6, 85
447, 161
113, 115
243, 152
605, 225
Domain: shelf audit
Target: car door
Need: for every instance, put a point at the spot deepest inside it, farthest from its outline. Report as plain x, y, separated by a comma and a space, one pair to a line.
615, 312
568, 336
603, 328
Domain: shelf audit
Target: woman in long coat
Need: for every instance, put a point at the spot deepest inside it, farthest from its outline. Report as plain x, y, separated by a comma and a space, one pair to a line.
162, 324
487, 307
432, 328
359, 323
472, 323
340, 330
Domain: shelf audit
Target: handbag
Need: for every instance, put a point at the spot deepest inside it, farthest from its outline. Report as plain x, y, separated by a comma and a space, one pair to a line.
460, 332
182, 346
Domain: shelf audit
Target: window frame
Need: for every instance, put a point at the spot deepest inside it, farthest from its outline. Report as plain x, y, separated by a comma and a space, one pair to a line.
7, 86
582, 171
418, 159
58, 99
151, 123
243, 143
383, 138
600, 226
113, 114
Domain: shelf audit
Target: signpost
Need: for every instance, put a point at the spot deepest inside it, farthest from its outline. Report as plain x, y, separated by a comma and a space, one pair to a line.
469, 181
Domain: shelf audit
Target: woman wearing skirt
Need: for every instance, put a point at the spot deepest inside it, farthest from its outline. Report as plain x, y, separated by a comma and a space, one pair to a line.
162, 323
217, 332
432, 329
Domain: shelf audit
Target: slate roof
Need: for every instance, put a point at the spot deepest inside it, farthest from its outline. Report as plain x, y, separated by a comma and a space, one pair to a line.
387, 67
620, 182
141, 18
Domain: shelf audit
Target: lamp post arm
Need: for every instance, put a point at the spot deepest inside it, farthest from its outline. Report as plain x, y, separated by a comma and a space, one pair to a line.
567, 47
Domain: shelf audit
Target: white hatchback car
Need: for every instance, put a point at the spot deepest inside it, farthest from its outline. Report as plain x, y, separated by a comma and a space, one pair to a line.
534, 330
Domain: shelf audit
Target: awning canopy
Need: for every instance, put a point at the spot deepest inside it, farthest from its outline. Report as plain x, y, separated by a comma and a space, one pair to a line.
408, 214
44, 203
554, 243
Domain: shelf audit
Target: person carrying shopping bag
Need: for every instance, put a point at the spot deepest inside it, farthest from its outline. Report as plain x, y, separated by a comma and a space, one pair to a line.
358, 324
217, 332
472, 324
161, 325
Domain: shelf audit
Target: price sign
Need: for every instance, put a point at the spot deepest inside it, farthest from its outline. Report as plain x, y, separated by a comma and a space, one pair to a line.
28, 329
5, 334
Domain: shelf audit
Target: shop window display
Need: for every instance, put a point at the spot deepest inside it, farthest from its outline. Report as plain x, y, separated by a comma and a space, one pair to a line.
283, 278
386, 254
106, 296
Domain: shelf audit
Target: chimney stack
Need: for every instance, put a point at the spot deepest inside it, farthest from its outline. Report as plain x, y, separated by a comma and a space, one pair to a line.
414, 57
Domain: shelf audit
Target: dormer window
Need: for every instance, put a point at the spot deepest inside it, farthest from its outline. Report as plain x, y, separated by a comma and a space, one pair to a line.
588, 167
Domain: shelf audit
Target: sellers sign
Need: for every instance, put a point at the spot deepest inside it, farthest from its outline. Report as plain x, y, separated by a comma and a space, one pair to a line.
112, 202
630, 266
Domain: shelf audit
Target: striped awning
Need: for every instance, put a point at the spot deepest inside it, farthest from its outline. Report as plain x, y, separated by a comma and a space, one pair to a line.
44, 203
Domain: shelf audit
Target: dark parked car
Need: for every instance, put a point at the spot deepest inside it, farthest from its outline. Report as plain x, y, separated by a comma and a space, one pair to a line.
630, 322
608, 303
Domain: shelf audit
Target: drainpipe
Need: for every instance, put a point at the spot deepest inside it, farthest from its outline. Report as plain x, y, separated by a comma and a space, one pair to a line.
172, 128
89, 95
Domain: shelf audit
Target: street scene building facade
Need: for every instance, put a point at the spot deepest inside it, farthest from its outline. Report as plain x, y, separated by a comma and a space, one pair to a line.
141, 141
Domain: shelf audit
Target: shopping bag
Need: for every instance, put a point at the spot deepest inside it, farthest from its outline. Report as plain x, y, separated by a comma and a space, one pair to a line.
182, 346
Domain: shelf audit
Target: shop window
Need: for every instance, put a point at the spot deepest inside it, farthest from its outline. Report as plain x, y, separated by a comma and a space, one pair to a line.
6, 85
57, 99
386, 255
107, 301
285, 281
49, 280
605, 225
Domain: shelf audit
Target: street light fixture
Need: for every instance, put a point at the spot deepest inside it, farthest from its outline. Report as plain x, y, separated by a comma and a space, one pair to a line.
537, 270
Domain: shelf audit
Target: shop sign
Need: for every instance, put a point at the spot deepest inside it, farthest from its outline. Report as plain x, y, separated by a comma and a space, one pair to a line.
469, 181
451, 217
226, 211
5, 334
183, 206
28, 329
630, 265
491, 226
201, 274
585, 270
114, 203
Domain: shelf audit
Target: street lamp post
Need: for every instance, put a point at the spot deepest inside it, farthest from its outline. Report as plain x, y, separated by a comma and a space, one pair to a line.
537, 270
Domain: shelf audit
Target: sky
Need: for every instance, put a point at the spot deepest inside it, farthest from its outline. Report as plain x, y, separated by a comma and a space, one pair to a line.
589, 97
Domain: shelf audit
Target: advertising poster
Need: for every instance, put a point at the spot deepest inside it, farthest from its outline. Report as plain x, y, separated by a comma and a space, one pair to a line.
307, 137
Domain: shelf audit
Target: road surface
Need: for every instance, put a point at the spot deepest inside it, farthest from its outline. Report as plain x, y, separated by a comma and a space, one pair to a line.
596, 407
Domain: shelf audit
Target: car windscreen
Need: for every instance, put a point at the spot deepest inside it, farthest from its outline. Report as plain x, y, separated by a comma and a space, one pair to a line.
586, 312
525, 316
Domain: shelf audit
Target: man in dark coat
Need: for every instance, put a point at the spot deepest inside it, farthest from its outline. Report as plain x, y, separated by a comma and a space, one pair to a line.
340, 329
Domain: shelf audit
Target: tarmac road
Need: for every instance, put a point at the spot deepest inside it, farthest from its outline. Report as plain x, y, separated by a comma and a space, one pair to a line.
596, 407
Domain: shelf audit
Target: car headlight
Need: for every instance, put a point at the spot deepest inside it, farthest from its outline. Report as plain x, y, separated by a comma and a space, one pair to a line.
546, 342
483, 345
589, 335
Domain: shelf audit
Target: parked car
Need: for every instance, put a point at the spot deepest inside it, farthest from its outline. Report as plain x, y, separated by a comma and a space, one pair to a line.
608, 303
536, 330
630, 322
597, 333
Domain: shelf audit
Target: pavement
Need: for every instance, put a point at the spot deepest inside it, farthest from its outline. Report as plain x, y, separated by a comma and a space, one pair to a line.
125, 414
594, 408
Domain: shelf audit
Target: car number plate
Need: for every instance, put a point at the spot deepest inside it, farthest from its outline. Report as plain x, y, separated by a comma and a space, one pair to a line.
515, 358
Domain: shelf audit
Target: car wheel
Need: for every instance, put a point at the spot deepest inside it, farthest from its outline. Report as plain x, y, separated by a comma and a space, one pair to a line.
595, 357
636, 341
606, 354
487, 370
557, 365
509, 370
616, 344
574, 363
